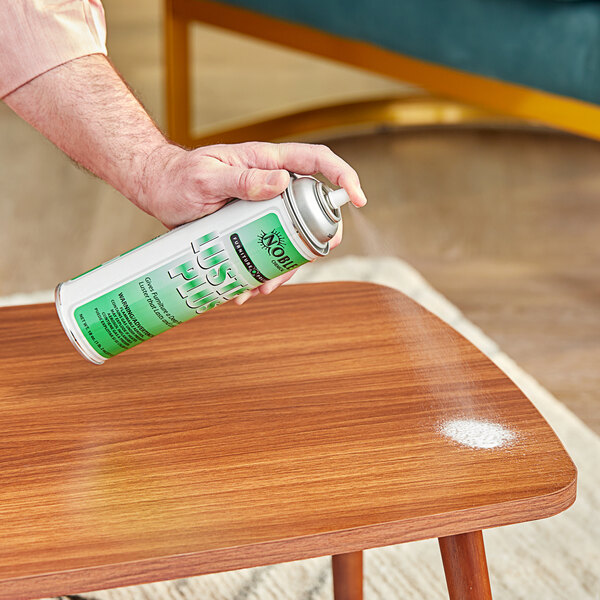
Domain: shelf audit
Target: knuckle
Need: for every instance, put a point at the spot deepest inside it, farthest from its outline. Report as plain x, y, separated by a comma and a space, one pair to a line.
245, 179
282, 150
197, 181
259, 151
350, 176
248, 181
250, 148
322, 148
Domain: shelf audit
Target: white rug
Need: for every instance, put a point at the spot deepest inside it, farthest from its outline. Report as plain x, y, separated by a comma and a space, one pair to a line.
551, 559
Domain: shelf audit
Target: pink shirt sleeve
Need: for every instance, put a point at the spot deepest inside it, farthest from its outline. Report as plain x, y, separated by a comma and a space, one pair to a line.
38, 35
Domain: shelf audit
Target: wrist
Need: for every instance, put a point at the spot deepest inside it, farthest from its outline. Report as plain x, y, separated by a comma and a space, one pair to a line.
155, 175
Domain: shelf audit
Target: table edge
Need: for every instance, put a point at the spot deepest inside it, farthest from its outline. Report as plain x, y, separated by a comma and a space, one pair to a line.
89, 579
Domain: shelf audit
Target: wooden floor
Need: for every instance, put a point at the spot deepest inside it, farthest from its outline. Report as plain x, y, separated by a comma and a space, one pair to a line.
504, 223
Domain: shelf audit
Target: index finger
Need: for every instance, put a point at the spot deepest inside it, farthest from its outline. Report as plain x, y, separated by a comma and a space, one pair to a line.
308, 159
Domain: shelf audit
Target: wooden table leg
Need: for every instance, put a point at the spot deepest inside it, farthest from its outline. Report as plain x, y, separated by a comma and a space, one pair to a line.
347, 576
465, 566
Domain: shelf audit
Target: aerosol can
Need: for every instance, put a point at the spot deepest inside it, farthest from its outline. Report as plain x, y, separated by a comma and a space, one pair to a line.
196, 267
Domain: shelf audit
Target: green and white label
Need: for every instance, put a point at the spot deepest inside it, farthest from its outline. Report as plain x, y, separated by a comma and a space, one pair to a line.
215, 268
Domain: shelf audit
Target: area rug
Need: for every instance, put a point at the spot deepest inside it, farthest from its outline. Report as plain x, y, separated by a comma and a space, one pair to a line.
554, 558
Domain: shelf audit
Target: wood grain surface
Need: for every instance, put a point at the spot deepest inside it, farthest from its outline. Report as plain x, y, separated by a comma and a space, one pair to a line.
302, 424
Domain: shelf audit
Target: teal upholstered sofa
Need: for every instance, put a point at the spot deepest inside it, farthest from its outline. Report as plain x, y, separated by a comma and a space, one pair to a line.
535, 59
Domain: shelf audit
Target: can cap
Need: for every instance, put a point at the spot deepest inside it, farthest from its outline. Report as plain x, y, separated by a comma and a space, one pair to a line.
315, 217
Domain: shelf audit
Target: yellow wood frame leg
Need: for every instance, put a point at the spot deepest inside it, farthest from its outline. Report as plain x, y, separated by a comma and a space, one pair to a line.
177, 74
404, 111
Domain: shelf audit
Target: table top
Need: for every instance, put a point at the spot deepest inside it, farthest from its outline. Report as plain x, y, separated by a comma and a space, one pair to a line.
323, 419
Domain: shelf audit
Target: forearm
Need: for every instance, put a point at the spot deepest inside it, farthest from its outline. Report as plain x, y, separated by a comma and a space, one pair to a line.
86, 109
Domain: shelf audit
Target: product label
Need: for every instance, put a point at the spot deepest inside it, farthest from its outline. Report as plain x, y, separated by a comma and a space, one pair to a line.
113, 259
215, 268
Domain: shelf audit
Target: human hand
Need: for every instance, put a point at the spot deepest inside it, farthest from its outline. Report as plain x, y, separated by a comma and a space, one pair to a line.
178, 186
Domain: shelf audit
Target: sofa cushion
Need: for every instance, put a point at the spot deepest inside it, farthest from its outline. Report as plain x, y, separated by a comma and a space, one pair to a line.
551, 46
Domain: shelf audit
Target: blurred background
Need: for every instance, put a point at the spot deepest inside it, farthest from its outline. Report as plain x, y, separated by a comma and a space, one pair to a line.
504, 219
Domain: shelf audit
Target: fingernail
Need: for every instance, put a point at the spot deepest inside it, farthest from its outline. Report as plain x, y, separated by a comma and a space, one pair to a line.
364, 198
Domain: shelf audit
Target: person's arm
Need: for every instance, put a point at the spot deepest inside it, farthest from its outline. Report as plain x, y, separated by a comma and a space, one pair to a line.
86, 109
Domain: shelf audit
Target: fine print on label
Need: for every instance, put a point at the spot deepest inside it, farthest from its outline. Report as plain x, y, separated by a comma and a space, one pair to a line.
208, 275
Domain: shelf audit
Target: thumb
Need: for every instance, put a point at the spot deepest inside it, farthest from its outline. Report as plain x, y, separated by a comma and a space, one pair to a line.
254, 184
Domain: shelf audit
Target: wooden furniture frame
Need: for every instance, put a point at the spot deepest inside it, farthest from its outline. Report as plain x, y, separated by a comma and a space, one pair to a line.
492, 97
303, 424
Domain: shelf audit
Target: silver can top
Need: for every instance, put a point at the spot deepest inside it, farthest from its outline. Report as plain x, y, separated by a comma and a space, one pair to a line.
316, 216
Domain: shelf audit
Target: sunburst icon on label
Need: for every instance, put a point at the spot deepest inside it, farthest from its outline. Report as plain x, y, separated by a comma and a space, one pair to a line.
270, 240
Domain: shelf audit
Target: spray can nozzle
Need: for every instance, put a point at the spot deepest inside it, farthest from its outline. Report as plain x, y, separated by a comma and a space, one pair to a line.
338, 198
315, 211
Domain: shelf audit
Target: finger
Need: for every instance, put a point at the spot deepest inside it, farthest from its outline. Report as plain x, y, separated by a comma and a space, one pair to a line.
308, 159
273, 284
337, 238
248, 183
245, 296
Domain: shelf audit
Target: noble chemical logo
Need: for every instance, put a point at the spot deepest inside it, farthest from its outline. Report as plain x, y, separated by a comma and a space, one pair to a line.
274, 243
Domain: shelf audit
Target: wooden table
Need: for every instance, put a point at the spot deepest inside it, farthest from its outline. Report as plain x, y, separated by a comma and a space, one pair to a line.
303, 424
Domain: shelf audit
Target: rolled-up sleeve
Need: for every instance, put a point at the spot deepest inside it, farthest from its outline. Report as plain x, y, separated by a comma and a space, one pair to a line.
38, 35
